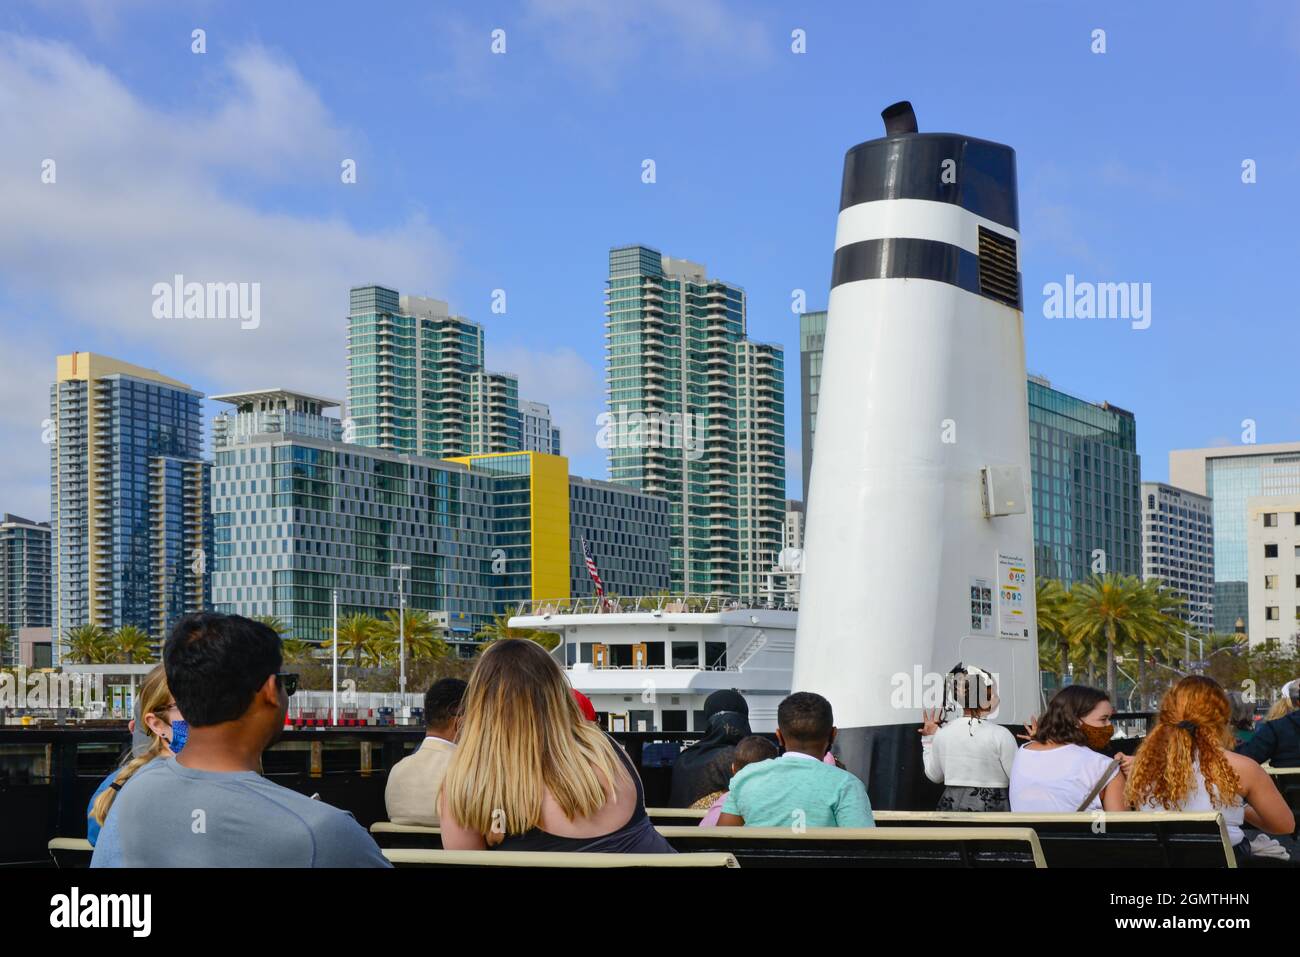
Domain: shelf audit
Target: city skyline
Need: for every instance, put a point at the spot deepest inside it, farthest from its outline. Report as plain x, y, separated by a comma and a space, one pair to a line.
246, 141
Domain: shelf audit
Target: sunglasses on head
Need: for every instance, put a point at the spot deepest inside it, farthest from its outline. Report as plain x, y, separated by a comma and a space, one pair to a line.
288, 681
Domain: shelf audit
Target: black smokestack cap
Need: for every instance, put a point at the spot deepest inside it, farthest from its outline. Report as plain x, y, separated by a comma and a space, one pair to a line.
899, 118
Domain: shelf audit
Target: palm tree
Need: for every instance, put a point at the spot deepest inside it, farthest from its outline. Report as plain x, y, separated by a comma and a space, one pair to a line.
499, 627
423, 637
356, 635
1110, 611
87, 644
130, 643
1052, 602
1166, 628
274, 622
295, 650
6, 635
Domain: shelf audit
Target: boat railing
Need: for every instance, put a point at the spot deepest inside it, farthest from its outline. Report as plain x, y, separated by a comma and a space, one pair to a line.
648, 604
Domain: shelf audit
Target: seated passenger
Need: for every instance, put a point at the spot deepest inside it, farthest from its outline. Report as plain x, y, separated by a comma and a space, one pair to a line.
1060, 769
1186, 763
531, 773
1277, 740
209, 806
749, 751
163, 729
703, 769
411, 794
969, 755
798, 789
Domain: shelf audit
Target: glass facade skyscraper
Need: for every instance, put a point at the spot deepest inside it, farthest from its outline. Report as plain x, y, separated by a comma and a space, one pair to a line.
696, 413
1230, 476
129, 504
1086, 486
628, 534
416, 382
24, 579
812, 340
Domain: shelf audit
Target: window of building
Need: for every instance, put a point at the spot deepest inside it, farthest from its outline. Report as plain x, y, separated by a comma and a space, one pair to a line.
1270, 613
1270, 582
1270, 519
1270, 551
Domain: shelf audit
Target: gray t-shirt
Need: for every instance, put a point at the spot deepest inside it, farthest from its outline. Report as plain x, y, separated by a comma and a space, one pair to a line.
169, 815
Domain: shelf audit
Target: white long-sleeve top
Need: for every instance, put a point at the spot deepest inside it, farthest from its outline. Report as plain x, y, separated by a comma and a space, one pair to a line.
969, 753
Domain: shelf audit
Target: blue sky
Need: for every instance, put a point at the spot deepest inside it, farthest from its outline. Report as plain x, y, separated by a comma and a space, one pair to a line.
518, 171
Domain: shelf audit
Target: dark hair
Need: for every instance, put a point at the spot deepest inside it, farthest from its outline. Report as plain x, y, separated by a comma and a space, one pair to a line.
442, 701
970, 690
1068, 707
1243, 711
805, 717
216, 663
753, 749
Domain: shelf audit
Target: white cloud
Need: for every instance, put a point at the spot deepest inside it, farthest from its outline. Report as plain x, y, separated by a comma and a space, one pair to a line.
141, 196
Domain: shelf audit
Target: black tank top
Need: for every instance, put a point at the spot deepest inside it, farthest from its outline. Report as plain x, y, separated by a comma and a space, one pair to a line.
637, 836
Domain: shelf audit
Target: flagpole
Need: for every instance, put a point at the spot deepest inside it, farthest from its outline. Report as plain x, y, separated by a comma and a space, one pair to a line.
334, 697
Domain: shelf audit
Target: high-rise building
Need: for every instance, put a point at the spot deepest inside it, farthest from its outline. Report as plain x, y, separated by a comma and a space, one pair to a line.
1230, 476
129, 498
627, 531
794, 518
24, 579
1086, 478
696, 413
1273, 567
411, 376
1178, 548
812, 342
539, 434
299, 513
495, 422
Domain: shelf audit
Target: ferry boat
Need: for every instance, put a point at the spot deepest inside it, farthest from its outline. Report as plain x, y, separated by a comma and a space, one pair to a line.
648, 663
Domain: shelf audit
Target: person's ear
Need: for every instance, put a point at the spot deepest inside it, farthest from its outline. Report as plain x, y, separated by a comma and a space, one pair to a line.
270, 692
158, 726
780, 739
734, 769
130, 726
834, 732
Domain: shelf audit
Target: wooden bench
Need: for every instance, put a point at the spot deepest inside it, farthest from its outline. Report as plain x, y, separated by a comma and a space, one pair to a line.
864, 847
390, 835
419, 857
71, 852
1117, 839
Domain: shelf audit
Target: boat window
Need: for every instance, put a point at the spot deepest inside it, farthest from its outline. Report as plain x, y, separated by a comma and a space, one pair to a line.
686, 654
584, 653
620, 656
715, 654
654, 654
674, 719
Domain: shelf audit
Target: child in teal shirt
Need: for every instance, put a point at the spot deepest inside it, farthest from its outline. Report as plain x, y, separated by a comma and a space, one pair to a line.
798, 789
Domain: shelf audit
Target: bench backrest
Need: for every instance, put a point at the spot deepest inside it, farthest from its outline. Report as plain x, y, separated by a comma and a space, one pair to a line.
1094, 839
388, 834
71, 852
864, 847
419, 857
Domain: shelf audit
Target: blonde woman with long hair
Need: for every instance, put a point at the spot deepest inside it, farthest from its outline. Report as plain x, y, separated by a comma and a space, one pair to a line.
530, 773
1187, 763
164, 731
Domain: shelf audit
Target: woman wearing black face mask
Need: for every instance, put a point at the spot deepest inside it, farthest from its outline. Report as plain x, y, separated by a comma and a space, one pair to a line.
704, 769
1060, 769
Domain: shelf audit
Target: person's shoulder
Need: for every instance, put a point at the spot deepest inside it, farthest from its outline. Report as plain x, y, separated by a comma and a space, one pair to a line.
841, 777
751, 771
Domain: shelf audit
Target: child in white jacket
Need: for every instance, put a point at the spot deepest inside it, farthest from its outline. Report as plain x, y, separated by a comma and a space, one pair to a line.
968, 754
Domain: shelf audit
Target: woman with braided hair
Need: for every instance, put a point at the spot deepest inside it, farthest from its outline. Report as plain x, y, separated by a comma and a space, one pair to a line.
1187, 763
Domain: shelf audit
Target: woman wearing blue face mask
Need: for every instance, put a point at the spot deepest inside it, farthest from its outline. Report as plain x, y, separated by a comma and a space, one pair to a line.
163, 734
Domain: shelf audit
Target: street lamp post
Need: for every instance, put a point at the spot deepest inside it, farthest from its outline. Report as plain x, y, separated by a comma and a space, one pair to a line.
401, 570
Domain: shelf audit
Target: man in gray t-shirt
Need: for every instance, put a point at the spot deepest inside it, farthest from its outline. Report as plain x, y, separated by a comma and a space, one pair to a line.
208, 806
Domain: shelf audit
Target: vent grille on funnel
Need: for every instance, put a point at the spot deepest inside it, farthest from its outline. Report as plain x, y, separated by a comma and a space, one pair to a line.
999, 278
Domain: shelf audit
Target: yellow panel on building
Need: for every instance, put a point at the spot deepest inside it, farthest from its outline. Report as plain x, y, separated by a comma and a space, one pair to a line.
548, 518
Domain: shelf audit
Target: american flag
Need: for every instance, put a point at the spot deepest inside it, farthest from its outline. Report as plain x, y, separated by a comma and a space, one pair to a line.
591, 568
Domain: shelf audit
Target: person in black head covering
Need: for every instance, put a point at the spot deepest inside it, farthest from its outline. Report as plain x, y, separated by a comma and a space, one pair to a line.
704, 769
